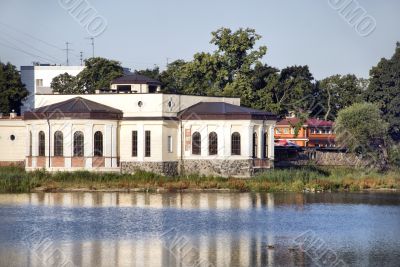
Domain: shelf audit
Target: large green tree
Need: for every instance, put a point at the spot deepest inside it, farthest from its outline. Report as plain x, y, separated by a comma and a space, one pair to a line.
12, 90
97, 74
361, 129
384, 90
66, 84
337, 92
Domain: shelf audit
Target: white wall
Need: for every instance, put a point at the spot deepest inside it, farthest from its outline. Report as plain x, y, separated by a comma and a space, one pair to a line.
12, 150
153, 105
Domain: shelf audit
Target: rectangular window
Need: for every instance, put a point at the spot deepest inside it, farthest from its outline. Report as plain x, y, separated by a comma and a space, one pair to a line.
286, 130
134, 144
39, 82
170, 144
278, 131
147, 144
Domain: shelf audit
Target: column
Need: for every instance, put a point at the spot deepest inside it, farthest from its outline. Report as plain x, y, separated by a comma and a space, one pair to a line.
271, 145
68, 144
140, 129
88, 146
204, 140
114, 146
48, 145
107, 145
221, 140
246, 140
260, 144
227, 136
35, 145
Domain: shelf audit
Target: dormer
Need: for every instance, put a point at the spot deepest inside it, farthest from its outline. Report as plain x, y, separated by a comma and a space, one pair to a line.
135, 83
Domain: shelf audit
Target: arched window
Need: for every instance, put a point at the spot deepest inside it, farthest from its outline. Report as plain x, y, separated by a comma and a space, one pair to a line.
79, 146
255, 145
213, 143
58, 144
235, 144
30, 143
42, 144
98, 144
196, 143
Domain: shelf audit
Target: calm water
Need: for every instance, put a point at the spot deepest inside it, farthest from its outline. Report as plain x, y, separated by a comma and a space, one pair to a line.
199, 229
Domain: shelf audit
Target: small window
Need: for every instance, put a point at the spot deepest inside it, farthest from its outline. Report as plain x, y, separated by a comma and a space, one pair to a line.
196, 143
140, 104
42, 144
12, 137
235, 144
147, 144
286, 130
58, 144
213, 143
265, 148
30, 143
278, 131
134, 143
39, 82
170, 144
98, 144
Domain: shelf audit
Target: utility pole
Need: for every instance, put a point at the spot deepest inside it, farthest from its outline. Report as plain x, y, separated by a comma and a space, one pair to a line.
92, 43
67, 50
81, 57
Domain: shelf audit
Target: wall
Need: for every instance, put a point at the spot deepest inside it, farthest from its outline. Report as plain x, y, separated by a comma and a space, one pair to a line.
152, 105
12, 151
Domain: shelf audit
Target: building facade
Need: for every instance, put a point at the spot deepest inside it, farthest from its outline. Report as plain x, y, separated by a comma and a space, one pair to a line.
130, 131
311, 133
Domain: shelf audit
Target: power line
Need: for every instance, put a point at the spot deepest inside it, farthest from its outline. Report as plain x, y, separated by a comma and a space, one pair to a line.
23, 51
30, 46
31, 36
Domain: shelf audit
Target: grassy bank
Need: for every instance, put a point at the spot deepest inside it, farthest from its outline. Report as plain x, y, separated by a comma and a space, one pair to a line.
15, 179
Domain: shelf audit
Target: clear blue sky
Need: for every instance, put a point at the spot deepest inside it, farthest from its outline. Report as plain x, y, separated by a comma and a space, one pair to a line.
145, 33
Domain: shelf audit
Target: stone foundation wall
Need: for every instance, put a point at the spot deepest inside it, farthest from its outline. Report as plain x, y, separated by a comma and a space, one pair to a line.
326, 158
168, 168
225, 168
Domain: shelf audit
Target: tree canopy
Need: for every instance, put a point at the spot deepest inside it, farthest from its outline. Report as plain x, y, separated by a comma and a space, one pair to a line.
361, 129
12, 90
97, 74
384, 90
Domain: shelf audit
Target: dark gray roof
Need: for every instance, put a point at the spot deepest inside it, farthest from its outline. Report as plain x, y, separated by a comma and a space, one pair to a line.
77, 108
221, 110
135, 78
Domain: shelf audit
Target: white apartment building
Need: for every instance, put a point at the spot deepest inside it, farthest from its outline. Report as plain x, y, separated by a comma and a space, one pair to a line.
38, 78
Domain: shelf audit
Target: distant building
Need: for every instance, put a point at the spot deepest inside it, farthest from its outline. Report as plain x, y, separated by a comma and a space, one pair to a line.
312, 133
38, 78
133, 126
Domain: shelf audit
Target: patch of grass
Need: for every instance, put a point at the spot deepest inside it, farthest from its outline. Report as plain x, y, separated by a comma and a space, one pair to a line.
309, 178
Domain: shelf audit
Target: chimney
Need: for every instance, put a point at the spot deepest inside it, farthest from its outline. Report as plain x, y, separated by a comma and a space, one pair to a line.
13, 114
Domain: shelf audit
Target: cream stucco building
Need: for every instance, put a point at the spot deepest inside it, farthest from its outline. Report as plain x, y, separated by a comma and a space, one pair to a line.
134, 126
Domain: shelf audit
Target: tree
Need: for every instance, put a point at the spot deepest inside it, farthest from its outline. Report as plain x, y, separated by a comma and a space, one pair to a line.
337, 92
12, 90
384, 90
66, 84
151, 73
290, 90
98, 74
361, 129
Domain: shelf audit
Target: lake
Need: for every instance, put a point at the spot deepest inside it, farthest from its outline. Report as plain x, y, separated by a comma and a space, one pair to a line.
200, 229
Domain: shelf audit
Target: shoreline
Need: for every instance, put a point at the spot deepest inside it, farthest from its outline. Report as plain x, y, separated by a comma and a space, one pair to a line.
312, 179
